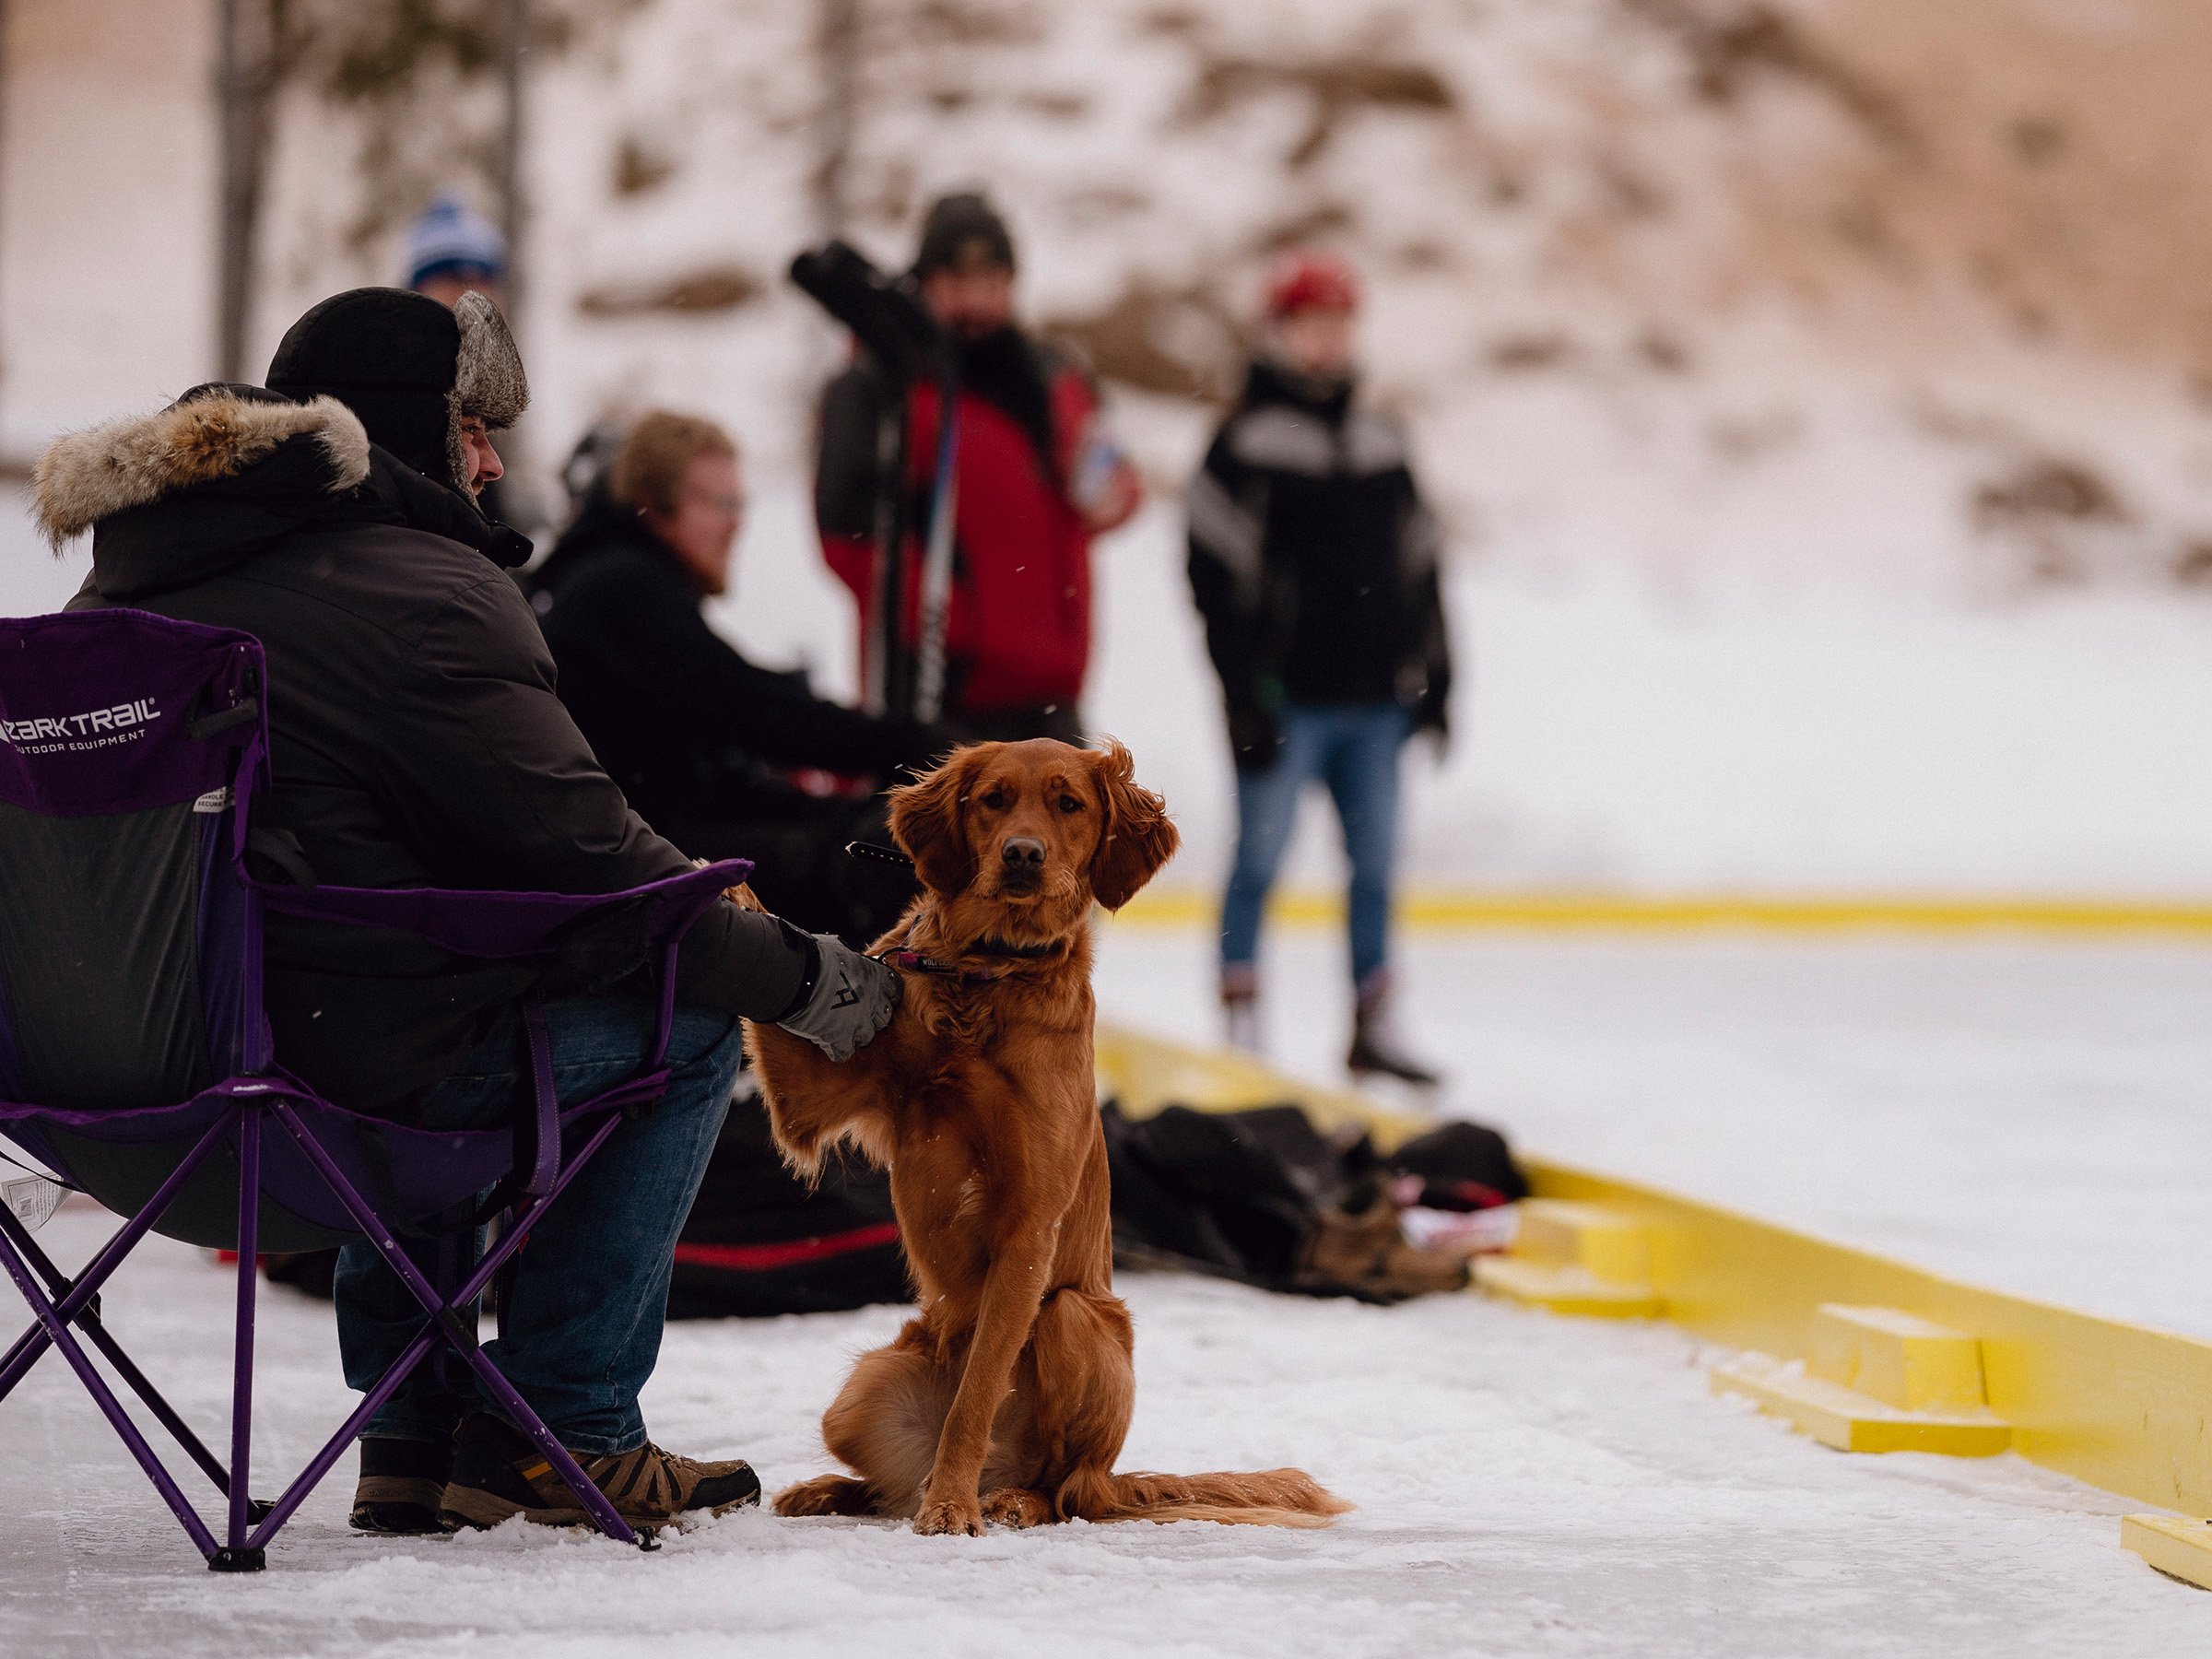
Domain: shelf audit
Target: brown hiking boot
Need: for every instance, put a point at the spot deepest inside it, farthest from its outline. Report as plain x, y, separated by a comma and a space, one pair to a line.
498, 1474
1361, 1248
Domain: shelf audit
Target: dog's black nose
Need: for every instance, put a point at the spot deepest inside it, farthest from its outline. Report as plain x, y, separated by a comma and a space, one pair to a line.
1023, 853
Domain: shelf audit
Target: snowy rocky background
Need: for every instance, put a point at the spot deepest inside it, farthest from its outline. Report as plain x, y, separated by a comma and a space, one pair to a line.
1818, 392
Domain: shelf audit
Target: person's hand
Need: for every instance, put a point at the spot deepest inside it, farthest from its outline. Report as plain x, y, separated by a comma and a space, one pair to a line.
1432, 715
1256, 738
853, 998
1112, 505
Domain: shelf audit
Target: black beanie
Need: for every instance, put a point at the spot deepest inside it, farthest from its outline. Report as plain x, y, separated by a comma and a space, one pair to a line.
387, 354
410, 368
962, 231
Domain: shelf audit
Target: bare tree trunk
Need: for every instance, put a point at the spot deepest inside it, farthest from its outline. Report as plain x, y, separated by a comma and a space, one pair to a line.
7, 468
519, 499
515, 46
246, 98
837, 44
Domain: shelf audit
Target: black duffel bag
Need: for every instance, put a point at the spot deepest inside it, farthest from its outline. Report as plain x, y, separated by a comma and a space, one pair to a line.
1265, 1197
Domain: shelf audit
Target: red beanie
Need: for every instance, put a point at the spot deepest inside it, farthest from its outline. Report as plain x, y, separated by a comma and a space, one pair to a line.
1311, 279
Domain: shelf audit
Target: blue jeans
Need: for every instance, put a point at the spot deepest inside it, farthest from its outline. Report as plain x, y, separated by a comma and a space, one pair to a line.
582, 1329
1352, 748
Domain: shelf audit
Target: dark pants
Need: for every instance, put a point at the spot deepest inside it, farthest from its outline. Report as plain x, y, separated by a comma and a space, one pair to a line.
581, 1329
1353, 749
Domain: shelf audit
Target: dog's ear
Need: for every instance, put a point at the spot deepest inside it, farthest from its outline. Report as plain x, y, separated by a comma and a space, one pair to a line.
1137, 836
929, 823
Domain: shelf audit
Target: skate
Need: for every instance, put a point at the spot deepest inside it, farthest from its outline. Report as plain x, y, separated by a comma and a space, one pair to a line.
1240, 1010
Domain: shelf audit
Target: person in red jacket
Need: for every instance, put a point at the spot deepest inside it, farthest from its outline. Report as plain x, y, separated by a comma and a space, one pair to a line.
1036, 477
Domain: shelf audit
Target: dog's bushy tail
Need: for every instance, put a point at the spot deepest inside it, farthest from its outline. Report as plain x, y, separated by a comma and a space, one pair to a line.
1264, 1498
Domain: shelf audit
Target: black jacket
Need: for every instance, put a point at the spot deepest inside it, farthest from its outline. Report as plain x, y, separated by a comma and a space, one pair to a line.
685, 724
1313, 560
417, 740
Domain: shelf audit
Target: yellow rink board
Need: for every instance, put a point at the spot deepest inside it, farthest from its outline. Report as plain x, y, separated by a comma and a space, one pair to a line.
2118, 1406
1445, 910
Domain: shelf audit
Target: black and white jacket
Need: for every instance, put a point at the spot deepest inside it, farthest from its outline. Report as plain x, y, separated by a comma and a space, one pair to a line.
1313, 560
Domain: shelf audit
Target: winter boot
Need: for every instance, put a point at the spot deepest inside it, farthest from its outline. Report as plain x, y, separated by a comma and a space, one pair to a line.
1378, 1050
400, 1483
498, 1474
1358, 1247
1241, 1006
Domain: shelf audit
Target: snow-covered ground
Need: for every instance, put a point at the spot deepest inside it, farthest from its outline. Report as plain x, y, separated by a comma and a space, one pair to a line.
1528, 1485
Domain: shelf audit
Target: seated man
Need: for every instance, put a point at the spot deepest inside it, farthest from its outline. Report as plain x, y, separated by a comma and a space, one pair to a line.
417, 742
711, 748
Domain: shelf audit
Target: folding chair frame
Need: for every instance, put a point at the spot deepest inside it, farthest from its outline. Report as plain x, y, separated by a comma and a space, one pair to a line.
217, 763
251, 1523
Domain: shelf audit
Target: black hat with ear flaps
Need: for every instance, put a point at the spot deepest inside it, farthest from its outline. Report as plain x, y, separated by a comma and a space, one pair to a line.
410, 368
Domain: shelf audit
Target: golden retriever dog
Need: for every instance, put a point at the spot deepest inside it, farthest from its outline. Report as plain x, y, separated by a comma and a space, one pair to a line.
1006, 1397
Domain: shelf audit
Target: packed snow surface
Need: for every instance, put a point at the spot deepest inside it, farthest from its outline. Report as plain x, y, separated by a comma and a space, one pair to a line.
2025, 1115
1528, 1485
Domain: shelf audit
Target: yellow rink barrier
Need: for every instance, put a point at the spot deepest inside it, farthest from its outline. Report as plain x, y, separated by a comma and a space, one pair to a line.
2118, 1406
1439, 910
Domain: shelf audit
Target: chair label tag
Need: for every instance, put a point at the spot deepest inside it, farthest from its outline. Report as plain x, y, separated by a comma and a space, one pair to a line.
215, 800
33, 1199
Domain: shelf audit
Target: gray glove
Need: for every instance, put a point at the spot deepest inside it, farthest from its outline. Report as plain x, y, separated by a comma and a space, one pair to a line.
854, 997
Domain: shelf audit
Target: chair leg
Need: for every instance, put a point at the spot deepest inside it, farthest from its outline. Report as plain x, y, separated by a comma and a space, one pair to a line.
32, 1343
58, 1286
274, 1515
58, 1334
237, 1556
447, 1319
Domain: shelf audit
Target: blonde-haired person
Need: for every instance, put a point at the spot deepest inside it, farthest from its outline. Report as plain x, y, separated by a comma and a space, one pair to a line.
726, 757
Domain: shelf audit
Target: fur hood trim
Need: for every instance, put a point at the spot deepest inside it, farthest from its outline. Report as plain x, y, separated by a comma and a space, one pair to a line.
90, 476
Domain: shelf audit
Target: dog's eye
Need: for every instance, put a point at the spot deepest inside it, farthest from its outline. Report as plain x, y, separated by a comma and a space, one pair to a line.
996, 800
1069, 803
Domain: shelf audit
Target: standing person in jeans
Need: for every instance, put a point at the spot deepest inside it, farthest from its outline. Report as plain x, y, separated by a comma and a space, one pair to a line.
415, 742
1314, 563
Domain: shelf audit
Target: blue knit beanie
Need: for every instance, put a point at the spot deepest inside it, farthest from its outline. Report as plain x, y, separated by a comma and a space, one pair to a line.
449, 239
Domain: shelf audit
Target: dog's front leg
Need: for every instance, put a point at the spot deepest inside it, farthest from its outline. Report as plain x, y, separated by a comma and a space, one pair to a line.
812, 1100
1013, 1291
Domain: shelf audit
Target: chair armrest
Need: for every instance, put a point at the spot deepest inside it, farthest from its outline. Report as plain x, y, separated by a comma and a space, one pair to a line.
496, 925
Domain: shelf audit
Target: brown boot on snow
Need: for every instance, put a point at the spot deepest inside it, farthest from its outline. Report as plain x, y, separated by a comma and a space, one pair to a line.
498, 1474
1361, 1247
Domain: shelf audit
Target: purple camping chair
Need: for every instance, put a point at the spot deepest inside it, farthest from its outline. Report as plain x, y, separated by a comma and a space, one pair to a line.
135, 1053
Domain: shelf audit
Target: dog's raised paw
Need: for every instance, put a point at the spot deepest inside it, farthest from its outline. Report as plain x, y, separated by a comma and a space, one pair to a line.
951, 1517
